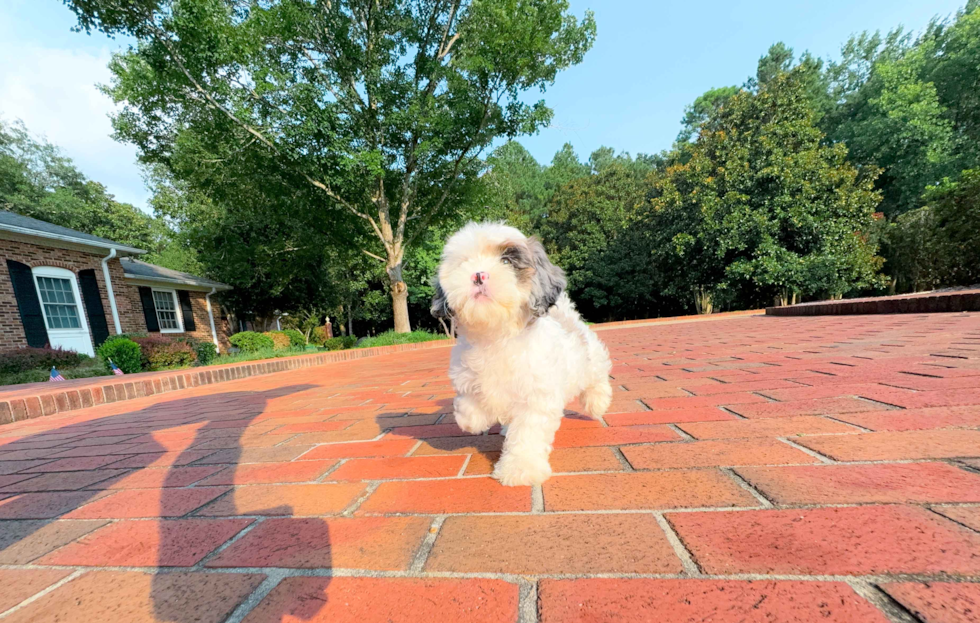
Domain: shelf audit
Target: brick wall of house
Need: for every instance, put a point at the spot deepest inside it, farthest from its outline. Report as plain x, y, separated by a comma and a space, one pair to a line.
202, 330
128, 303
11, 329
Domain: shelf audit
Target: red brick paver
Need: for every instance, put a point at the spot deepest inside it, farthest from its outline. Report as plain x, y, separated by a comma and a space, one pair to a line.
745, 462
718, 601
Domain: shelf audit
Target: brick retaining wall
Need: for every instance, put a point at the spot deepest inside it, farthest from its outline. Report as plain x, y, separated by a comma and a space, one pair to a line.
20, 402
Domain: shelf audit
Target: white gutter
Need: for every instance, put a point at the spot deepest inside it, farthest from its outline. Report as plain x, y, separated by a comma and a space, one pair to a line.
25, 231
108, 289
207, 299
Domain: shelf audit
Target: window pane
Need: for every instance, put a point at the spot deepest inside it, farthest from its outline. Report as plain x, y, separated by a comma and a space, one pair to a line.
59, 303
62, 316
166, 310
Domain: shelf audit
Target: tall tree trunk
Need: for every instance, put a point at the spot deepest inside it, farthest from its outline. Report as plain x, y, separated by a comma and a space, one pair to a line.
399, 299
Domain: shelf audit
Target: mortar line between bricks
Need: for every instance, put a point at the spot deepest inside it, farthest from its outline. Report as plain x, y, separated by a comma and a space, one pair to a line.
353, 506
241, 533
74, 575
645, 406
537, 499
418, 444
627, 466
284, 442
466, 463
933, 510
271, 581
967, 466
823, 459
327, 473
515, 578
691, 568
527, 608
879, 403
422, 555
893, 610
745, 484
736, 414
683, 434
863, 429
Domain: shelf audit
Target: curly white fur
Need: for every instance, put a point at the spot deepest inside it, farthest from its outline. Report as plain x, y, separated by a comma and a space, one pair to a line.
523, 352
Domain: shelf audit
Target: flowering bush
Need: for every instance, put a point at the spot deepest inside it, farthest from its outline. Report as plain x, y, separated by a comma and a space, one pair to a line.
250, 341
29, 358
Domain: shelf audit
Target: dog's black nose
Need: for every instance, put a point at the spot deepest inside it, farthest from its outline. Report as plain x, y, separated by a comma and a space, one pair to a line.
480, 277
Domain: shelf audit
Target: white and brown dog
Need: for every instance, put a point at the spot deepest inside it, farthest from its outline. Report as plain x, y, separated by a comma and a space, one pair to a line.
523, 351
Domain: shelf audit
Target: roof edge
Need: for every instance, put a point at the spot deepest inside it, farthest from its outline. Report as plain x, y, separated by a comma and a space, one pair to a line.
220, 287
26, 231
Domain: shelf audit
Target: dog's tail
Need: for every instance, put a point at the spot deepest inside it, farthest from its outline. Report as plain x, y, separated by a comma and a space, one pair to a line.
598, 395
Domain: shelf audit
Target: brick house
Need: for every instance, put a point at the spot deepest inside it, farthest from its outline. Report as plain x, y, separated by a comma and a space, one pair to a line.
67, 289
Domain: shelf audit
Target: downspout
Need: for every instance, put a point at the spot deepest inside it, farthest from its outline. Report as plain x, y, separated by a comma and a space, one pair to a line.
108, 289
214, 334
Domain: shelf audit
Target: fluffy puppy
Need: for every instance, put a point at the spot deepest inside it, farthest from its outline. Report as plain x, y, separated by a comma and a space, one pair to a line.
523, 352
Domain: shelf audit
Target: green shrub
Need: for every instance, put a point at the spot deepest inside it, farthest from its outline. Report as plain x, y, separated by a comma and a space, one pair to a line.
319, 336
89, 367
250, 341
29, 358
124, 352
334, 343
162, 353
206, 353
390, 338
296, 337
279, 339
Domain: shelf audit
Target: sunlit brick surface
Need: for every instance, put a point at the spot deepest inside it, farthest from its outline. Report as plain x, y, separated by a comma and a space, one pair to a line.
752, 468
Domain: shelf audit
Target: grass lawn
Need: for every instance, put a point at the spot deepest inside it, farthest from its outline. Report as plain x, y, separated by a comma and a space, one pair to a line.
88, 368
390, 338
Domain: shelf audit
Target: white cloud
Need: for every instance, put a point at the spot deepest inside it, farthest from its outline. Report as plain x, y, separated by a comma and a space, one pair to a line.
54, 92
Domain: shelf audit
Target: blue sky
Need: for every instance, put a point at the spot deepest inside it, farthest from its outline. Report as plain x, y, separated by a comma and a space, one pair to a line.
650, 60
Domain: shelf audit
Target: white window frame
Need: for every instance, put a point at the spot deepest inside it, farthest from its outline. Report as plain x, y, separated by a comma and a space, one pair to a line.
177, 310
60, 273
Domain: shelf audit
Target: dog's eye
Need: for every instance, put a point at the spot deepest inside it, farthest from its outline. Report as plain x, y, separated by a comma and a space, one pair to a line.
504, 260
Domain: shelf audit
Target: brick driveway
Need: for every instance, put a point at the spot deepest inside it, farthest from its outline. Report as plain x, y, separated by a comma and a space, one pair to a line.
751, 469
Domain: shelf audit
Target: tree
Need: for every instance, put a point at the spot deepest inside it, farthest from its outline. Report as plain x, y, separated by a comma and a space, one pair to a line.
516, 186
698, 112
953, 66
894, 121
382, 106
939, 243
249, 231
586, 233
39, 181
761, 205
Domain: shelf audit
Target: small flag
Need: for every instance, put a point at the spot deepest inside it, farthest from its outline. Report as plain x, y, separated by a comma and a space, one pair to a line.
55, 376
115, 369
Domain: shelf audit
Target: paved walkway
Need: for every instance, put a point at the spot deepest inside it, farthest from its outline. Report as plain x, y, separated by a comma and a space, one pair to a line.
751, 469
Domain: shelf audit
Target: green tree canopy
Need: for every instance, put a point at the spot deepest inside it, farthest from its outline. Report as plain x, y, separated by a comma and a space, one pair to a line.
382, 108
762, 204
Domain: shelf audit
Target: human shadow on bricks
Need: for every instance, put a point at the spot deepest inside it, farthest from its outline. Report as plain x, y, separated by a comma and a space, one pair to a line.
168, 462
442, 436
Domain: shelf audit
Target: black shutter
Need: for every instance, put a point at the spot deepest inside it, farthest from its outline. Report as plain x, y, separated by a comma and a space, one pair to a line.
93, 306
186, 310
29, 305
149, 311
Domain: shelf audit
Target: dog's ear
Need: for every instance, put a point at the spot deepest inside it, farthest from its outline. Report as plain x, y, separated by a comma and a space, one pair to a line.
440, 306
548, 282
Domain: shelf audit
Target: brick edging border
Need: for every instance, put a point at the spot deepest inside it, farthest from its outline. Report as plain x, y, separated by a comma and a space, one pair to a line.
937, 303
40, 399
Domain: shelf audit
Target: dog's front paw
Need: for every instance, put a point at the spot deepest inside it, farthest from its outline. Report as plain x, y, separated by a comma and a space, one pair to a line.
515, 471
471, 426
469, 417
